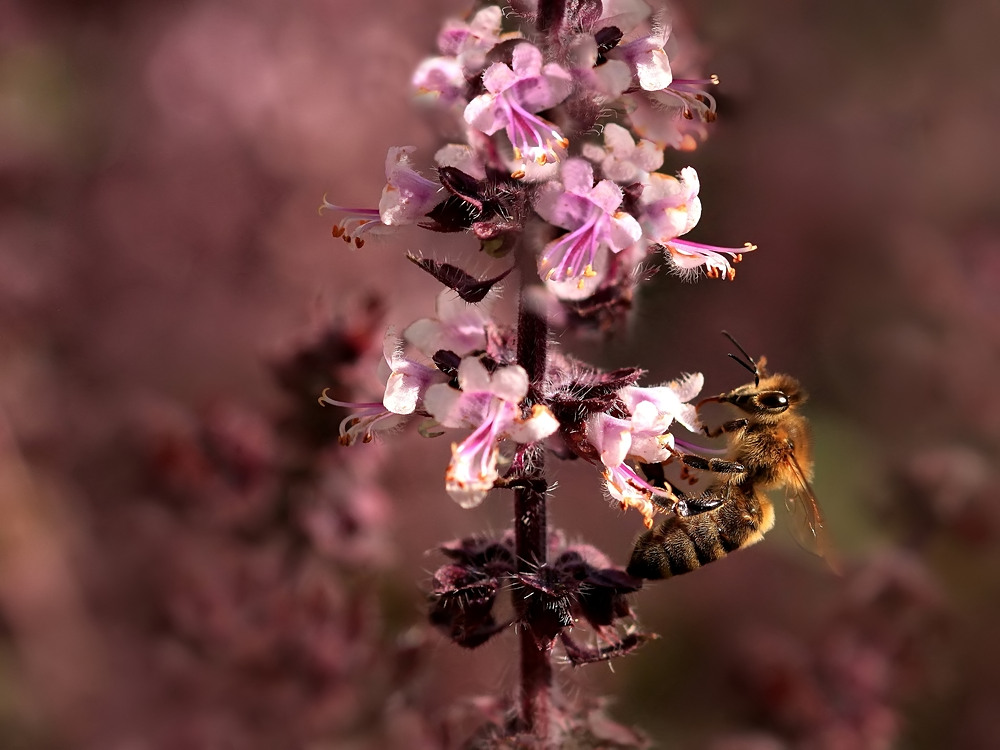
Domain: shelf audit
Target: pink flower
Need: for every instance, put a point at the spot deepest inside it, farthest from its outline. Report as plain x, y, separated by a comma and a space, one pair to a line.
469, 42
671, 207
674, 116
406, 382
591, 214
459, 327
441, 78
643, 436
606, 81
462, 157
513, 95
622, 159
656, 408
647, 60
490, 404
625, 14
406, 198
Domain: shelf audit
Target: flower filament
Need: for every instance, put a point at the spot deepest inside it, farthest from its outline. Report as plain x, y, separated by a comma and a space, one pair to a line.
357, 222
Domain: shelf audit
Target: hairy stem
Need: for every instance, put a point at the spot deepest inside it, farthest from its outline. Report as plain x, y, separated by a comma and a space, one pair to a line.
531, 533
550, 15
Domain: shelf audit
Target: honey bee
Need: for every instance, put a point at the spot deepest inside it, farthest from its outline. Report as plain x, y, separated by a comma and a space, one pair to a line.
769, 448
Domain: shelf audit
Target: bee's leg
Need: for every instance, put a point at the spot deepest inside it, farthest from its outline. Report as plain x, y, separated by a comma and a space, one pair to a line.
717, 465
657, 477
733, 426
693, 506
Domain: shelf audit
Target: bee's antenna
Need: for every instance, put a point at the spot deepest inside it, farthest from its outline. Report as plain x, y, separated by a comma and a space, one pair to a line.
748, 363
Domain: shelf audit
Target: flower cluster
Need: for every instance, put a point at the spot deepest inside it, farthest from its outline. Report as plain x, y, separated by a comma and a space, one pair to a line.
562, 134
462, 374
560, 120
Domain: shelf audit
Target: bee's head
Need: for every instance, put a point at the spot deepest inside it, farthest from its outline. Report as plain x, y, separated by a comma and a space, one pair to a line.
767, 396
773, 395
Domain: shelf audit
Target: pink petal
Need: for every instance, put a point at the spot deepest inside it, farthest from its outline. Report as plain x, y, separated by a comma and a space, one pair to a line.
577, 176
607, 195
508, 383
653, 70
473, 376
484, 115
625, 231
612, 437
560, 208
688, 386
498, 77
444, 404
526, 60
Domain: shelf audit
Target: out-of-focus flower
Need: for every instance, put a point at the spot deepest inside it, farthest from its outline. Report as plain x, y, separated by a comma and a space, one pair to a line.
514, 94
442, 78
461, 157
469, 42
601, 77
490, 404
625, 15
673, 117
622, 159
459, 327
591, 213
407, 197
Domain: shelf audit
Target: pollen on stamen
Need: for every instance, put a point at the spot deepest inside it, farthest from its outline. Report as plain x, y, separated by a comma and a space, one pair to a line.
517, 174
589, 271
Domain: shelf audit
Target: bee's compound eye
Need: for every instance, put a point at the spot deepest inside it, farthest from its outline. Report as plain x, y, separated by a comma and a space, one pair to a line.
774, 400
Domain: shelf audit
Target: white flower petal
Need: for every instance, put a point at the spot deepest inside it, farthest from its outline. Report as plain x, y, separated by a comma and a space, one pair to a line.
688, 386
444, 403
538, 426
473, 376
509, 383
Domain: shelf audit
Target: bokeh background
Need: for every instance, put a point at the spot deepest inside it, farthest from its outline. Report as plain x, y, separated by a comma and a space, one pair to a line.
184, 562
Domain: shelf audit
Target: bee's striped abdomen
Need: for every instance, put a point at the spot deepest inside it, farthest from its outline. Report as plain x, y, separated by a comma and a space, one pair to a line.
682, 544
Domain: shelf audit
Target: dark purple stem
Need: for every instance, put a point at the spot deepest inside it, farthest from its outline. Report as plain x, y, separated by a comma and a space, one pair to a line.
550, 15
531, 532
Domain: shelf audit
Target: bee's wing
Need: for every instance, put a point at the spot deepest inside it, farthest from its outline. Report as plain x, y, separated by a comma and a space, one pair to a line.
809, 527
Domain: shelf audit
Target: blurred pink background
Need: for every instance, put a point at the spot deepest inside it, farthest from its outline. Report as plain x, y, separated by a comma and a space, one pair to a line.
160, 169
